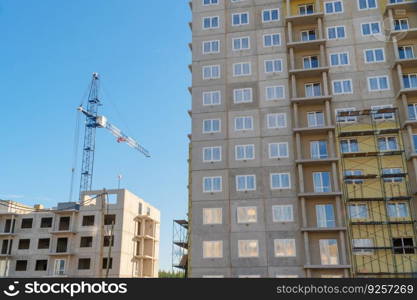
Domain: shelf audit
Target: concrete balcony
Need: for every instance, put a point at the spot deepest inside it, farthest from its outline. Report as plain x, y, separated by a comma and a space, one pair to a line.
318, 161
406, 62
409, 122
314, 130
63, 232
306, 45
7, 234
319, 195
327, 266
311, 72
323, 229
410, 33
140, 237
310, 100
410, 92
145, 217
408, 5
309, 18
67, 253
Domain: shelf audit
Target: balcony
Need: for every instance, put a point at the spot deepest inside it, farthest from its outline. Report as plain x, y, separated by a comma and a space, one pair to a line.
327, 266
407, 5
309, 72
317, 161
308, 44
311, 99
314, 130
305, 18
323, 229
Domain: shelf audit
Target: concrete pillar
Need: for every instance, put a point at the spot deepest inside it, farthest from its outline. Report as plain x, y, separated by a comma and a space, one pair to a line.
343, 248
325, 84
332, 150
323, 61
391, 19
339, 212
301, 178
411, 140
404, 102
304, 212
328, 113
335, 177
298, 145
293, 86
296, 119
317, 6
400, 75
320, 27
414, 161
288, 8
307, 248
290, 33
395, 45
292, 59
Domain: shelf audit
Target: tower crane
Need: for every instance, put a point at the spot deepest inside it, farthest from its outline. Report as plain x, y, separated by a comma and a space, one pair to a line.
94, 121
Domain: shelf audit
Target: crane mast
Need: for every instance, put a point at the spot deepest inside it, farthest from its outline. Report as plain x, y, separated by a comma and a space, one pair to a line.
87, 165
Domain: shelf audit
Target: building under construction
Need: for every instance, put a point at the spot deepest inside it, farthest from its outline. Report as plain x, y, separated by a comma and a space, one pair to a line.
107, 234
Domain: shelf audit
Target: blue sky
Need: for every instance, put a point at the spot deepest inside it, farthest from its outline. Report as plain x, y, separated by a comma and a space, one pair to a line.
48, 51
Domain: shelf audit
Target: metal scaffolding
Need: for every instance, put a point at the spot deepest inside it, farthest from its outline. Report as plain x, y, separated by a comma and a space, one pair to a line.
377, 194
180, 245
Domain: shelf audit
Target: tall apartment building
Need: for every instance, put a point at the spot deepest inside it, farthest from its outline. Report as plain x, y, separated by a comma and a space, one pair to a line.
303, 149
114, 232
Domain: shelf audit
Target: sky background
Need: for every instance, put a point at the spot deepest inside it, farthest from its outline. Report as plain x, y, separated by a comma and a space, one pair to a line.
48, 51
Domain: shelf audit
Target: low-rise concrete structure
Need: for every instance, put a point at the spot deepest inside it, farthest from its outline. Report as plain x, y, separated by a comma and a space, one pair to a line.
112, 232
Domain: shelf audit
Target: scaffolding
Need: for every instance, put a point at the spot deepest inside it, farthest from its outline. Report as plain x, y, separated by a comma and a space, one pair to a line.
180, 246
377, 194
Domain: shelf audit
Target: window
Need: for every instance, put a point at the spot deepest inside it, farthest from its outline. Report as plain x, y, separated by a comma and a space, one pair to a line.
378, 83
212, 216
339, 59
345, 118
246, 215
405, 52
211, 98
212, 154
358, 211
108, 240
211, 22
43, 243
211, 126
210, 47
109, 219
248, 248
412, 111
310, 62
270, 15
212, 184
398, 210
333, 7
84, 263
374, 55
387, 143
378, 112
389, 175
88, 220
243, 123
312, 89
213, 249
329, 253
305, 9
284, 248
282, 213
308, 35
353, 174
271, 40
401, 24
240, 19
371, 28
367, 4
86, 242
245, 183
21, 265
273, 66
341, 87
242, 95
315, 119
318, 150
278, 150
349, 146
27, 223
41, 265
403, 245
46, 222
211, 72
210, 2
336, 32
241, 69
280, 181
245, 152
24, 244
276, 121
6, 246
321, 181
64, 223
241, 43
325, 216
9, 226
107, 263
274, 92
363, 246
410, 81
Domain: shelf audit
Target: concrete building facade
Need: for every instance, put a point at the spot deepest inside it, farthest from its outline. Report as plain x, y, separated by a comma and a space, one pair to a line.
110, 231
272, 84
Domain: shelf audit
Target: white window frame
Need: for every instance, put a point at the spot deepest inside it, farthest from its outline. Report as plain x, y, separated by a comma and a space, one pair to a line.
248, 218
213, 190
211, 2
203, 44
246, 188
245, 152
244, 123
367, 5
240, 14
339, 59
347, 119
241, 252
342, 85
270, 10
333, 6
370, 27
211, 77
337, 34
277, 118
242, 74
212, 131
240, 39
363, 251
271, 35
283, 208
213, 244
324, 246
270, 145
243, 92
211, 95
374, 55
378, 78
267, 61
212, 149
211, 22
288, 243
216, 216
275, 96
271, 176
